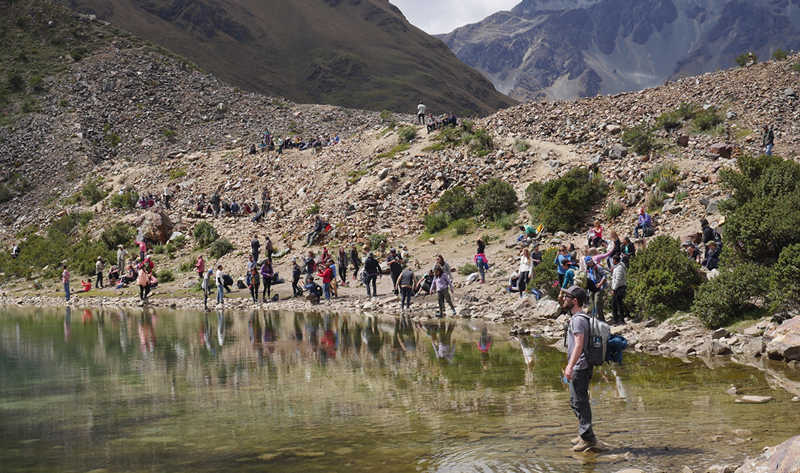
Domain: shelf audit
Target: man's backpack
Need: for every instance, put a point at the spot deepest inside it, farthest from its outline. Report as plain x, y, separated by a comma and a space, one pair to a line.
717, 238
648, 231
581, 278
599, 333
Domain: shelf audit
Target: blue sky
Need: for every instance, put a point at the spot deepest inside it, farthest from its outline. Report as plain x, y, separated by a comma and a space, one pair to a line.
443, 16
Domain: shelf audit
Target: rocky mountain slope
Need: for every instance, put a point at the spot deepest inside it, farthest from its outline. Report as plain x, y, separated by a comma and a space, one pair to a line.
359, 54
563, 50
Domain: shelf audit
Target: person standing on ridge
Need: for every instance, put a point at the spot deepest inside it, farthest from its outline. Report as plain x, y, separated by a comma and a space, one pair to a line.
122, 254
65, 281
395, 268
768, 140
421, 112
255, 248
99, 267
578, 371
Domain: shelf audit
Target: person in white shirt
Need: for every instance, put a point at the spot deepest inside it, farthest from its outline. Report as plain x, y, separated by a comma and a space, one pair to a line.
619, 285
220, 285
525, 267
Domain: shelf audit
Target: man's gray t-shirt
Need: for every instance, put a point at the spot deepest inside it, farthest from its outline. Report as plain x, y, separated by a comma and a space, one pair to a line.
407, 278
578, 324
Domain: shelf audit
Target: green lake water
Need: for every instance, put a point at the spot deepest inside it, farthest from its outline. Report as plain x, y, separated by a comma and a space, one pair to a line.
110, 390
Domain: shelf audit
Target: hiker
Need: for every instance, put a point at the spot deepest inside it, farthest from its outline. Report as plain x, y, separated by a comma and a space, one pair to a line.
343, 264
354, 258
768, 140
431, 125
214, 200
255, 281
569, 276
87, 286
167, 197
267, 272
536, 256
313, 291
142, 248
309, 265
628, 250
711, 260
235, 209
643, 223
405, 284
122, 255
597, 290
296, 271
443, 286
616, 248
372, 269
561, 256
113, 275
269, 248
444, 265
692, 252
480, 259
99, 267
421, 109
143, 280
525, 268
395, 268
206, 286
578, 371
200, 267
219, 279
255, 247
65, 282
15, 251
311, 236
327, 276
619, 285
595, 236
424, 284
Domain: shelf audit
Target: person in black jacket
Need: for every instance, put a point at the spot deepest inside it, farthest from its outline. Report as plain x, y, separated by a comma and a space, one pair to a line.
395, 268
372, 269
313, 234
355, 259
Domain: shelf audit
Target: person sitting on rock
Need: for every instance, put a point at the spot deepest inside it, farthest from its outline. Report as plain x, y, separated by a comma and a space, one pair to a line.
226, 208
313, 234
692, 251
235, 208
314, 291
712, 258
113, 276
644, 223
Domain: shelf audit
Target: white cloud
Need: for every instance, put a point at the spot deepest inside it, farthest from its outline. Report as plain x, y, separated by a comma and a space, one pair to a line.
443, 16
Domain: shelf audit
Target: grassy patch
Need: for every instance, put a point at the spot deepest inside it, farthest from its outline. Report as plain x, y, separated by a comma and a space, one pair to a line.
398, 148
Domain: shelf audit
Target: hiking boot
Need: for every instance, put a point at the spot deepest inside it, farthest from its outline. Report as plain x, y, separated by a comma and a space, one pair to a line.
575, 440
583, 445
454, 312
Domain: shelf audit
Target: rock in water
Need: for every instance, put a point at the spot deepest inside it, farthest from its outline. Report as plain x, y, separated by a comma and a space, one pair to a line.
783, 341
785, 458
754, 399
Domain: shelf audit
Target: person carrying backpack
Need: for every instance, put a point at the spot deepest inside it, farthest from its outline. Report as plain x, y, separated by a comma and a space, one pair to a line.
597, 287
578, 371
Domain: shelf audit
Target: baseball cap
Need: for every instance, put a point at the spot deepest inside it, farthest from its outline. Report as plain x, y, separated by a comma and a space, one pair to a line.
641, 211
578, 293
588, 260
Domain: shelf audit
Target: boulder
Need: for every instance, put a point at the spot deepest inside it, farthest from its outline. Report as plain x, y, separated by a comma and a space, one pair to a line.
683, 141
754, 399
723, 150
155, 225
546, 309
672, 209
720, 333
781, 459
618, 152
714, 348
523, 304
754, 348
783, 341
661, 336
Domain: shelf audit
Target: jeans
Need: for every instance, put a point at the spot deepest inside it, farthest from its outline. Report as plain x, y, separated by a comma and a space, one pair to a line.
205, 298
638, 227
220, 294
768, 152
395, 277
405, 297
311, 237
579, 401
372, 278
143, 292
482, 269
166, 198
295, 288
522, 283
99, 282
326, 289
618, 304
444, 295
66, 290
267, 291
598, 299
255, 256
254, 293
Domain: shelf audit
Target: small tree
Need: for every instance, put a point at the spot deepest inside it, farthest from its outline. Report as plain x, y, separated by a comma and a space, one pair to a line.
744, 58
495, 198
780, 54
784, 284
456, 202
204, 234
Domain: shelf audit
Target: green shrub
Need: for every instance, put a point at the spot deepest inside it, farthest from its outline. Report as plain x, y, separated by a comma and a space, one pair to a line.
545, 275
461, 227
655, 201
614, 210
92, 193
744, 58
661, 279
220, 248
619, 186
118, 234
15, 82
187, 265
467, 269
126, 200
639, 138
29, 105
177, 173
521, 146
481, 142
680, 196
796, 66
204, 234
669, 121
387, 117
666, 176
406, 134
506, 221
495, 198
707, 119
376, 240
687, 111
165, 276
731, 296
159, 250
784, 284
780, 54
5, 194
436, 222
313, 210
36, 83
456, 202
563, 203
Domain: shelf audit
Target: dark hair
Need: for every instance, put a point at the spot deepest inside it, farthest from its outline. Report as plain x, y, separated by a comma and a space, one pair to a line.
703, 223
615, 258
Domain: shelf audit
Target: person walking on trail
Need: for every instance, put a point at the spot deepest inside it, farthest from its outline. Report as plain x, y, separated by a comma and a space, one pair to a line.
355, 259
525, 268
619, 286
255, 248
313, 234
445, 266
296, 271
143, 280
65, 282
405, 284
768, 140
122, 255
200, 267
215, 200
395, 268
443, 287
421, 109
343, 264
372, 269
206, 285
99, 268
597, 275
578, 371
220, 280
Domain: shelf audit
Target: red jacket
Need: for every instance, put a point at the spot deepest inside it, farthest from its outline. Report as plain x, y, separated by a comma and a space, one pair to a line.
327, 275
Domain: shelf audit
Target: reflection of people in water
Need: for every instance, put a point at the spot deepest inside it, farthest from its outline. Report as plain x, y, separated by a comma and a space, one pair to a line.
254, 329
222, 328
205, 334
527, 345
298, 331
67, 324
329, 338
443, 346
270, 334
123, 331
147, 333
87, 316
484, 344
404, 339
373, 336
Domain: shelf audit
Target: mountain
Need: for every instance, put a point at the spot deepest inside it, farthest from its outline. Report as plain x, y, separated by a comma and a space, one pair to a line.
562, 49
354, 53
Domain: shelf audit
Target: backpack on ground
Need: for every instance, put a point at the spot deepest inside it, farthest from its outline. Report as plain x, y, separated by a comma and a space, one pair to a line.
580, 278
615, 346
648, 231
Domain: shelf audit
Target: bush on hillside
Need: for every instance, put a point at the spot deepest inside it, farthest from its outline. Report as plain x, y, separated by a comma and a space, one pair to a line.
467, 269
563, 203
665, 176
220, 248
204, 234
639, 138
744, 58
406, 134
120, 233
780, 54
661, 279
376, 240
436, 222
165, 276
455, 202
669, 121
784, 285
126, 200
461, 226
92, 193
732, 296
545, 274
707, 119
495, 198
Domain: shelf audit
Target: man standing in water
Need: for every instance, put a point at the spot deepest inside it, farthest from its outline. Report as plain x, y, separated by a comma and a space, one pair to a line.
578, 371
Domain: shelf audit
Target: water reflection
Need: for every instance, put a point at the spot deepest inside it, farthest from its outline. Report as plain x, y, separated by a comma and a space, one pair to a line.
162, 390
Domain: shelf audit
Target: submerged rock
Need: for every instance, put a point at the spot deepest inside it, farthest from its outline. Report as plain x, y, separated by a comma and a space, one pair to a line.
783, 458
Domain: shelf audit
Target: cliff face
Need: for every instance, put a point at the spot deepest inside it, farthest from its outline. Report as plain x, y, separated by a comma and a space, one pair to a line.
354, 53
566, 49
